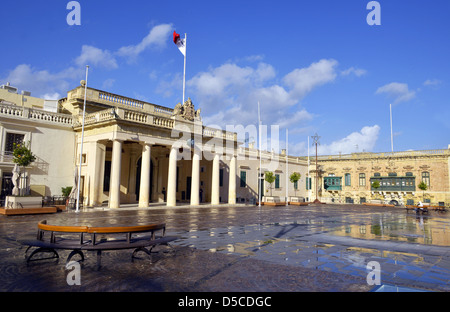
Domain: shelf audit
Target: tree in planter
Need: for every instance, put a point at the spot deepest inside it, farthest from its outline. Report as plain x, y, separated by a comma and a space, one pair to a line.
66, 191
269, 177
23, 157
294, 178
376, 185
423, 186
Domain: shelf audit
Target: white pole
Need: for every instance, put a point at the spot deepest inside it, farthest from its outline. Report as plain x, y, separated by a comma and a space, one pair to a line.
260, 181
307, 176
82, 139
184, 72
392, 135
287, 167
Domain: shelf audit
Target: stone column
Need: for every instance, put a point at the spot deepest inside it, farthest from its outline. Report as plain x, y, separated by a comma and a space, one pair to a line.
144, 189
232, 182
195, 182
215, 189
172, 178
114, 189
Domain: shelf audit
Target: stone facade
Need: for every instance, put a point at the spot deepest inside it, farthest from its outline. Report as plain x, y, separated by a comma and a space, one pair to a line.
349, 178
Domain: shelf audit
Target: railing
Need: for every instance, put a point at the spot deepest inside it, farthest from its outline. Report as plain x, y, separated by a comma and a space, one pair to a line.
36, 114
218, 133
50, 117
163, 122
354, 156
117, 99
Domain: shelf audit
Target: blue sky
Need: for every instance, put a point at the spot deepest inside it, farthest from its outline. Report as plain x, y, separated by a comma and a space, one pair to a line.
315, 66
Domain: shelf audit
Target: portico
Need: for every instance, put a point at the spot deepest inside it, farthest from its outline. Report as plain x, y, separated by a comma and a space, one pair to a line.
137, 152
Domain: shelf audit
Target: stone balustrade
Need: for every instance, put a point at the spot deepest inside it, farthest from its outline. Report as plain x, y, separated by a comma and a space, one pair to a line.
36, 114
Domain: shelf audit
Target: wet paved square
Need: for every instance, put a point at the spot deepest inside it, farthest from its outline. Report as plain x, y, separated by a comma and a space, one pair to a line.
246, 248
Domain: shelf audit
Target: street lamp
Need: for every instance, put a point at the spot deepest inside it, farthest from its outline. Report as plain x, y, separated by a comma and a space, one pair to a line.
316, 142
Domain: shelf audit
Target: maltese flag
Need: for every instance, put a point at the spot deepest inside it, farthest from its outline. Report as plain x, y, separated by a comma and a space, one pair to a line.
181, 43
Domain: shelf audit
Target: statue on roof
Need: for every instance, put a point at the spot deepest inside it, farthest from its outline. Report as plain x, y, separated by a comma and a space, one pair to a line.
187, 111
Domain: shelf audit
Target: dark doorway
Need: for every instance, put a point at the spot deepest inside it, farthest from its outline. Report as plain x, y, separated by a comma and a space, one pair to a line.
7, 186
138, 178
188, 188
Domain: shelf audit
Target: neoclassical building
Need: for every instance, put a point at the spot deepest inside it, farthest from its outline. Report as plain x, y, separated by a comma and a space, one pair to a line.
134, 152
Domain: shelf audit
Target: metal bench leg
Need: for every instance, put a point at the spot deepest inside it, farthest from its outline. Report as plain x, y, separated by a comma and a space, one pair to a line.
99, 259
148, 252
73, 253
41, 249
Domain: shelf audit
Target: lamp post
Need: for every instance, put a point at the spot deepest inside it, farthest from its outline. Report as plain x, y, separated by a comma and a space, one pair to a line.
316, 142
82, 139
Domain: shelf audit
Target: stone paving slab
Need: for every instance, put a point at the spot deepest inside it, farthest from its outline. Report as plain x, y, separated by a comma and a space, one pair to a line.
239, 248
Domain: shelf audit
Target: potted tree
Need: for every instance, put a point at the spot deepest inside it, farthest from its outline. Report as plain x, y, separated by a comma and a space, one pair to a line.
294, 178
269, 177
22, 157
376, 186
423, 186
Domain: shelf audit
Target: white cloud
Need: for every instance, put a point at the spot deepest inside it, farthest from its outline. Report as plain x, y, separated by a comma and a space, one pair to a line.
228, 94
304, 80
358, 72
432, 82
157, 37
42, 83
398, 91
363, 140
96, 57
52, 96
51, 84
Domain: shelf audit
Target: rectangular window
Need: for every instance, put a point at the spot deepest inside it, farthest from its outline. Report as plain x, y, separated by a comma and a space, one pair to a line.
277, 181
296, 185
11, 139
308, 183
243, 179
362, 179
221, 177
426, 178
347, 179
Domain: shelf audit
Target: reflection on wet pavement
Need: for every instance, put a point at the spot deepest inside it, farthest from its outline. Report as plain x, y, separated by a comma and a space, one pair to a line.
412, 251
290, 243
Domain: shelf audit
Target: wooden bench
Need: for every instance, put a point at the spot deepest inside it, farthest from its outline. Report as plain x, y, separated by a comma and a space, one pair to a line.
83, 238
417, 209
438, 208
273, 201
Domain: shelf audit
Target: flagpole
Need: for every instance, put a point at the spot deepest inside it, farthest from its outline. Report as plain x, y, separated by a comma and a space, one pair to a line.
184, 72
82, 139
287, 167
260, 162
392, 136
308, 177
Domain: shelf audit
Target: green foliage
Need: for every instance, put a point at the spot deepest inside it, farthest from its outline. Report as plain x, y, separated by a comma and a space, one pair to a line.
423, 186
269, 177
22, 154
66, 191
376, 184
295, 177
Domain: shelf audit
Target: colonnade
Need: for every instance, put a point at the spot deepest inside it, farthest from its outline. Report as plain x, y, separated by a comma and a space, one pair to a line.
144, 200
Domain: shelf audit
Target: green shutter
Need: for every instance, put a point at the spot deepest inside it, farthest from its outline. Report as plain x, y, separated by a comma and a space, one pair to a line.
243, 178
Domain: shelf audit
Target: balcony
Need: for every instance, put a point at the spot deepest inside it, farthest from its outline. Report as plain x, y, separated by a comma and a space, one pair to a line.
332, 183
394, 184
